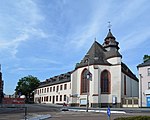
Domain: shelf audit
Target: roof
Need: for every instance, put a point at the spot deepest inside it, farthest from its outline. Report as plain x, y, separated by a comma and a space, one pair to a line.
111, 54
110, 41
56, 80
110, 35
96, 55
128, 72
147, 63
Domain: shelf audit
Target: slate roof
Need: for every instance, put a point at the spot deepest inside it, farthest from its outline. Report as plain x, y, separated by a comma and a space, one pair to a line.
96, 51
147, 63
56, 80
128, 72
97, 55
110, 35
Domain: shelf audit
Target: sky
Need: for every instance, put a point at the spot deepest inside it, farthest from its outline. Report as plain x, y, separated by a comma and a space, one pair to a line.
45, 38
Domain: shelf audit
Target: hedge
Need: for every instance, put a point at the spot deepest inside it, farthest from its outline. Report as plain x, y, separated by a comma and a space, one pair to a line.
134, 118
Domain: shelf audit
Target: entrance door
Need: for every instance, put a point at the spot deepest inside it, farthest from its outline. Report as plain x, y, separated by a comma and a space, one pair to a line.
53, 100
148, 101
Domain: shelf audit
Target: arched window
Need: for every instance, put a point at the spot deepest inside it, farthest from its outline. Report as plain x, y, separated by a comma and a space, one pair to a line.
105, 82
84, 82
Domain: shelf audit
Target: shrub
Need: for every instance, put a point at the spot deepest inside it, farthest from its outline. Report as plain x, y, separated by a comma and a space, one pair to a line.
134, 118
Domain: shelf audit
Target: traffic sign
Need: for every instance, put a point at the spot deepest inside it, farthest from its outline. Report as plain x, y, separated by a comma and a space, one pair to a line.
108, 112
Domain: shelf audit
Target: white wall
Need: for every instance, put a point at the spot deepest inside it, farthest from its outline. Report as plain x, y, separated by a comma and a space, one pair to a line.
55, 93
145, 79
95, 83
114, 60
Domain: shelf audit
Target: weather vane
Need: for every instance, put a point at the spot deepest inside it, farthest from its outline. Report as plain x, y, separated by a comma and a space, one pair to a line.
109, 25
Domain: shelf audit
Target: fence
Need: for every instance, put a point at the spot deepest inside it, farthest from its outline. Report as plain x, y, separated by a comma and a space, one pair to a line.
13, 102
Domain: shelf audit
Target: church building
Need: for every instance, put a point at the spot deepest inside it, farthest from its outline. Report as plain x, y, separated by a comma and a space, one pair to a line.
99, 80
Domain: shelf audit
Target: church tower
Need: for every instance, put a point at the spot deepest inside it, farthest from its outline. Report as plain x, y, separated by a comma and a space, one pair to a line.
110, 43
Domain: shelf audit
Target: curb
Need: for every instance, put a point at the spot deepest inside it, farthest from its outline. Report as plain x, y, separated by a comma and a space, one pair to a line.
100, 111
39, 117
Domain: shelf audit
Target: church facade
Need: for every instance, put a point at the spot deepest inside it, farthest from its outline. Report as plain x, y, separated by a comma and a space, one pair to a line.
99, 80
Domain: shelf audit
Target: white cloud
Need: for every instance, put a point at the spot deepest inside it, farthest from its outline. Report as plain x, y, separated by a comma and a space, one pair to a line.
91, 29
24, 25
134, 39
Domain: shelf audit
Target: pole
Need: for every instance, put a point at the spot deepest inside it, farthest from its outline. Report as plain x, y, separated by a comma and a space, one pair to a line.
99, 89
87, 104
25, 113
141, 89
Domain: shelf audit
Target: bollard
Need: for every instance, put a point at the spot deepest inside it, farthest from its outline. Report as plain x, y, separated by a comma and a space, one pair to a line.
108, 113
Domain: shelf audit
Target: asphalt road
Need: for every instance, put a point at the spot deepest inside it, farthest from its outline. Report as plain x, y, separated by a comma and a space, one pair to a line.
57, 114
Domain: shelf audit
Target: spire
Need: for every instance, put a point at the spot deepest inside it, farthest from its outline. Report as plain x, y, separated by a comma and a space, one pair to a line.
109, 35
110, 41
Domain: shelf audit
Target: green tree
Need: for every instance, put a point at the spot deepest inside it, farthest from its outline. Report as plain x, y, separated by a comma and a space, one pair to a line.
146, 58
26, 86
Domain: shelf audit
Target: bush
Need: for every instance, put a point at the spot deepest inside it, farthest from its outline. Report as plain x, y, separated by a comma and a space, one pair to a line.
134, 118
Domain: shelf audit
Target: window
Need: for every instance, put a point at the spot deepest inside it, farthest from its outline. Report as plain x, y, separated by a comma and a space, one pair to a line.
53, 88
60, 87
148, 71
50, 98
65, 86
50, 89
47, 89
60, 97
64, 97
46, 98
84, 82
125, 91
105, 82
57, 88
57, 98
148, 85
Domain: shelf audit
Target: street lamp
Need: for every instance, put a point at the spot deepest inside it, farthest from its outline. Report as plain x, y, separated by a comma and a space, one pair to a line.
141, 89
87, 78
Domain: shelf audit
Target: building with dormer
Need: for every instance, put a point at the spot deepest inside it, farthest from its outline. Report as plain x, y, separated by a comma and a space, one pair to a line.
144, 84
99, 80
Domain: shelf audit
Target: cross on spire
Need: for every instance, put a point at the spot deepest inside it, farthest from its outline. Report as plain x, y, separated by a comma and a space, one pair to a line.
109, 25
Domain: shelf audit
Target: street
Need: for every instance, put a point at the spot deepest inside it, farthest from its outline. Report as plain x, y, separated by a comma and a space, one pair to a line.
56, 114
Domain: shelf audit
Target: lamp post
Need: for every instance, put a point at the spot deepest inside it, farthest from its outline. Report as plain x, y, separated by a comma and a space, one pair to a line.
88, 76
141, 89
87, 85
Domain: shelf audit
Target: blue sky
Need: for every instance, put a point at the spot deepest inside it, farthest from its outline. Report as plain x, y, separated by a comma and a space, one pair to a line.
45, 38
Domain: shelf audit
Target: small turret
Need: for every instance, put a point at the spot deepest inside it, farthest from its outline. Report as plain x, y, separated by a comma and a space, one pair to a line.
110, 43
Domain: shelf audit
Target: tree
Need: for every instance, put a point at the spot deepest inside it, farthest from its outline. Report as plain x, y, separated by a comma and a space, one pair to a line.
146, 58
26, 86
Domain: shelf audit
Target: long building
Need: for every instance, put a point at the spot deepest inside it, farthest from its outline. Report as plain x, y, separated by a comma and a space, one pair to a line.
99, 79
